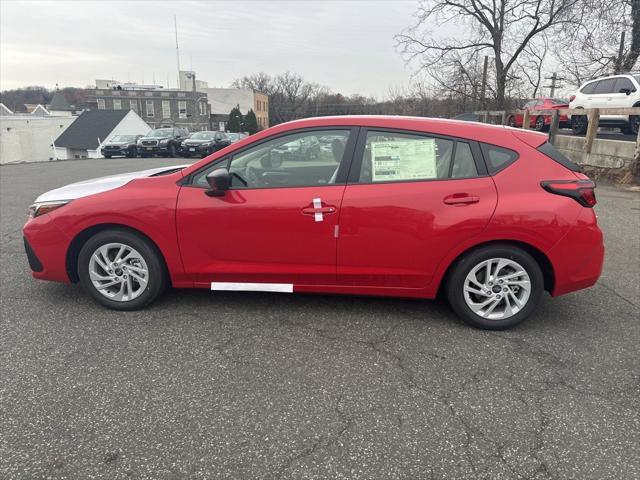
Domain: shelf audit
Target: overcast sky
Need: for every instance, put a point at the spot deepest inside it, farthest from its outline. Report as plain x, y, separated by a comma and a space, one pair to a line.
345, 45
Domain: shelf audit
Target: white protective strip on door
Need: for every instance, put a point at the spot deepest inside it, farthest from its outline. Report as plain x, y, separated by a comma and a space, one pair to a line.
252, 287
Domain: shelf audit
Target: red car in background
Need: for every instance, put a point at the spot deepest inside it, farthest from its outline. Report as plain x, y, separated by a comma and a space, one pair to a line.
540, 123
488, 216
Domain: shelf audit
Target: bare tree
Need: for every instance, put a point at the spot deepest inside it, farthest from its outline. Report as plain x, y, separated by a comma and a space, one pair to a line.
500, 28
606, 40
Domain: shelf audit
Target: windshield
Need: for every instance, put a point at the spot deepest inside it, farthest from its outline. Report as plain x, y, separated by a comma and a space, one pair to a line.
233, 136
124, 138
161, 132
203, 136
559, 101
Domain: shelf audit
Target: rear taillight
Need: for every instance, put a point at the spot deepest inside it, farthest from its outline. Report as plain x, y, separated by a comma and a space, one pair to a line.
582, 191
572, 98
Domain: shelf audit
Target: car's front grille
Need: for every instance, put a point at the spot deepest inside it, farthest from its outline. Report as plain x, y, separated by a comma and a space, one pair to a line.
112, 147
149, 143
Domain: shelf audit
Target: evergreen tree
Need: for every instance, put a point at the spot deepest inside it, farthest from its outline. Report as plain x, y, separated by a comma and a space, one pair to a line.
251, 122
236, 121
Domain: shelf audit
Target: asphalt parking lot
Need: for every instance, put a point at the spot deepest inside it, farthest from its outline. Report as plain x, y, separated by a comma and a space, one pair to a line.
237, 385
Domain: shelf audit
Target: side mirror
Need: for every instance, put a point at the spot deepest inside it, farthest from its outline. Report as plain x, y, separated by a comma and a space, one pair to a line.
219, 180
626, 91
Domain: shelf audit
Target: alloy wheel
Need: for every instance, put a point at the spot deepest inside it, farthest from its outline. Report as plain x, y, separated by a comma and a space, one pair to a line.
497, 288
118, 271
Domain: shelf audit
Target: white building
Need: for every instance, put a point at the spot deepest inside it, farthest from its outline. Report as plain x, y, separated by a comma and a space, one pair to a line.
30, 137
95, 127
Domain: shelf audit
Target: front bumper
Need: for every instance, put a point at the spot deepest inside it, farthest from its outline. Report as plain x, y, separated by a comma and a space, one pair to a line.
152, 150
46, 248
114, 151
195, 149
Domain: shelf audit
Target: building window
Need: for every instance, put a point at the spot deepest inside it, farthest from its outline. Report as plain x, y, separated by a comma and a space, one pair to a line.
125, 104
132, 94
117, 104
182, 109
166, 109
164, 94
150, 112
181, 94
203, 108
148, 94
116, 93
100, 103
134, 105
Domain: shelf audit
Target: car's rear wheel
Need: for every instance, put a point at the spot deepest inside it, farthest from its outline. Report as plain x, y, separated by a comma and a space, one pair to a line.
107, 156
632, 127
131, 153
121, 270
495, 287
539, 125
579, 124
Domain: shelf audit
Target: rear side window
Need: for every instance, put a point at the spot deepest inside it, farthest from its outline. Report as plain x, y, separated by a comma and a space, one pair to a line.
497, 158
589, 88
551, 152
400, 157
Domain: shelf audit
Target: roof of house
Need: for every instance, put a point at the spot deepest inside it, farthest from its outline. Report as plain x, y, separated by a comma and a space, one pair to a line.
90, 126
59, 102
4, 110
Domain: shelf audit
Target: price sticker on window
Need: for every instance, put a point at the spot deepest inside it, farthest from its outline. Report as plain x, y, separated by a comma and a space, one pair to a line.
403, 160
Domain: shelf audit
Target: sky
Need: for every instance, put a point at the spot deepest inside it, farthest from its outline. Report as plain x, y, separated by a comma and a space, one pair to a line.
345, 45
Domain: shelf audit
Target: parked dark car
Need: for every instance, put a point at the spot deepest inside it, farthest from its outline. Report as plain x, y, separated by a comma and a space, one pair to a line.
204, 143
120, 146
162, 141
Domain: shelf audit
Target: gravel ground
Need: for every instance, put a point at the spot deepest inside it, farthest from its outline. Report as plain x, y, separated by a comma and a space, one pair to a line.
250, 385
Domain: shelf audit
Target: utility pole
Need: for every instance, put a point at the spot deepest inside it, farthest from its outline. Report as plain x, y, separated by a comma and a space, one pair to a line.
483, 91
555, 80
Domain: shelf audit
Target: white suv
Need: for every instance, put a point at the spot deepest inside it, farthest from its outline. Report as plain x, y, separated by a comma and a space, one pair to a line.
615, 91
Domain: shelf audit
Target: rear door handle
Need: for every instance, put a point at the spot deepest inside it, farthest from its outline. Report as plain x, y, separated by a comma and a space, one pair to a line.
460, 199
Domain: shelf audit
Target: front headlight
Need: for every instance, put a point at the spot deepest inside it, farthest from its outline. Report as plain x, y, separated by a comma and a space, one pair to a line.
164, 142
38, 209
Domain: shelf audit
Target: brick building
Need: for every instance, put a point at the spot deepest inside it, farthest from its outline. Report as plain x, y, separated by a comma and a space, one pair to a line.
157, 106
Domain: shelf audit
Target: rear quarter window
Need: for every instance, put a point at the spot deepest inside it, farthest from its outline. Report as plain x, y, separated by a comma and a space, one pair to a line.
497, 158
589, 88
551, 152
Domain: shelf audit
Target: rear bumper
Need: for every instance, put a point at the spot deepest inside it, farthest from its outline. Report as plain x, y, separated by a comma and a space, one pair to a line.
578, 258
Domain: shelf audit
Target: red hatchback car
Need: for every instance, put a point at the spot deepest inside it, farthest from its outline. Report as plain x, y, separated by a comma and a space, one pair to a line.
489, 216
540, 122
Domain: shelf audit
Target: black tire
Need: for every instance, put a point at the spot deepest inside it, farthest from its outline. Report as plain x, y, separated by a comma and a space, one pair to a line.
456, 282
158, 278
539, 125
579, 124
144, 155
107, 156
131, 153
171, 151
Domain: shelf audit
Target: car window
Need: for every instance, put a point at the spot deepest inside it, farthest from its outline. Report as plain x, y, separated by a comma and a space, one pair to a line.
397, 157
605, 86
589, 88
622, 85
295, 160
463, 165
497, 158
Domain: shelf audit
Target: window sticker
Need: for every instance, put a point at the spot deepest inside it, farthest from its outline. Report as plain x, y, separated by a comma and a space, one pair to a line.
403, 160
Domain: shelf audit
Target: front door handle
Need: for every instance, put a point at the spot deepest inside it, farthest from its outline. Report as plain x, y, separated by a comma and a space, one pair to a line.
313, 211
318, 210
460, 199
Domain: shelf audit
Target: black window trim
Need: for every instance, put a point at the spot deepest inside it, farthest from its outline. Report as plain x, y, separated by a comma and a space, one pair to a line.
358, 155
485, 155
341, 177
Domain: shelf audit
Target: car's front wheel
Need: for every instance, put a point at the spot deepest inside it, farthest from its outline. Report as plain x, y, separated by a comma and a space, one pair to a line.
121, 270
495, 287
579, 124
